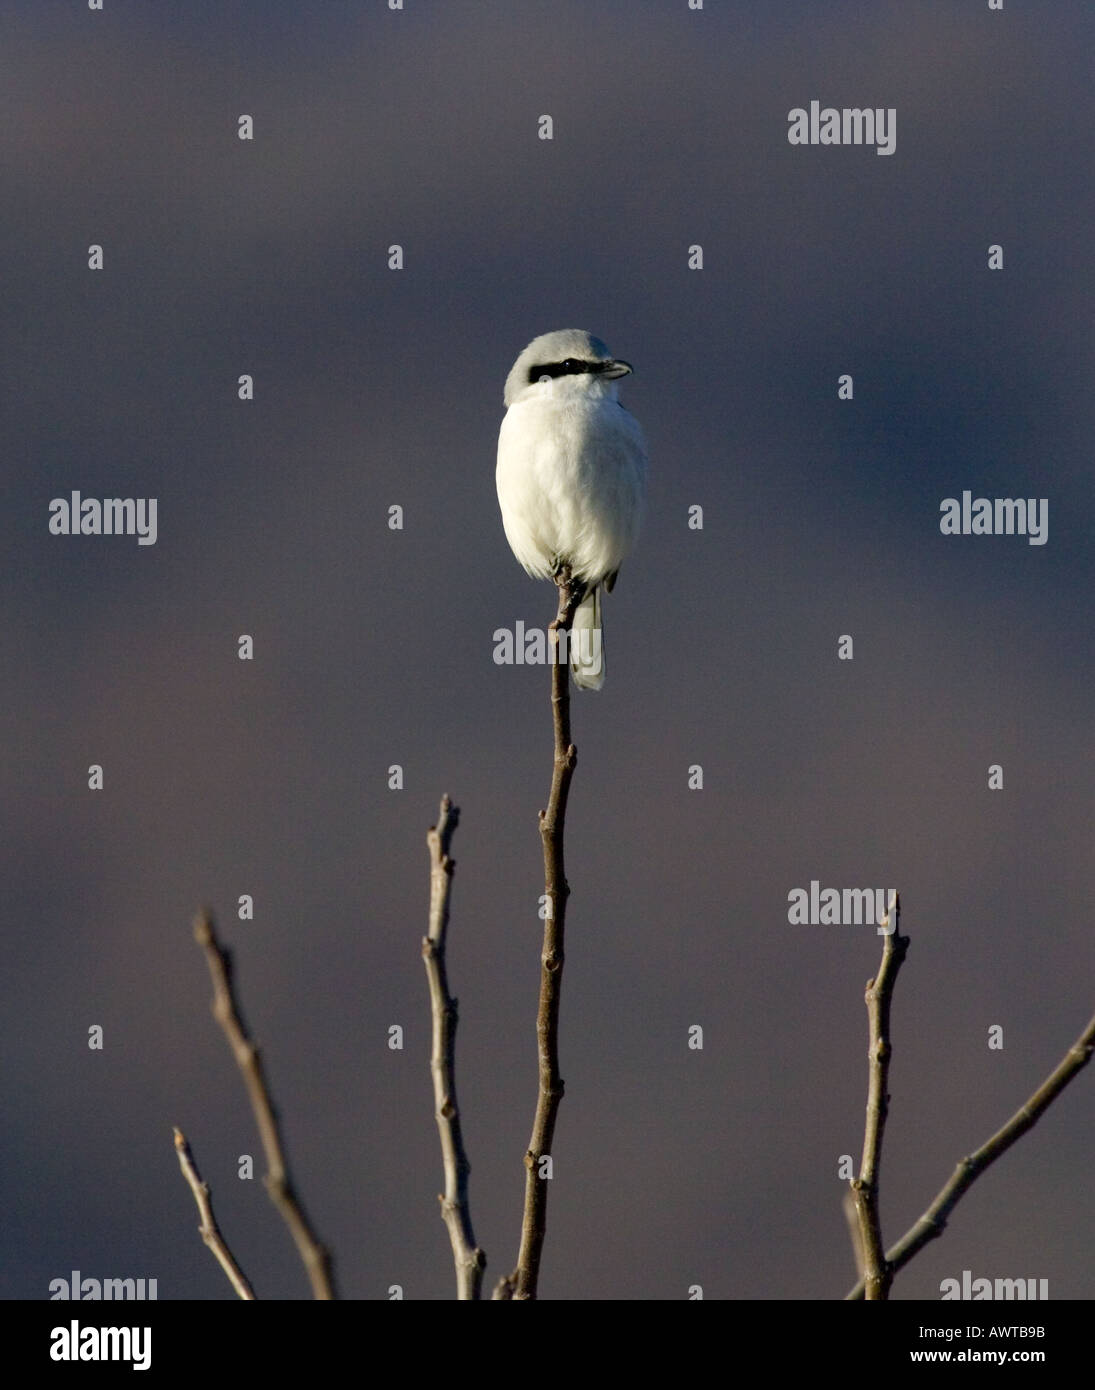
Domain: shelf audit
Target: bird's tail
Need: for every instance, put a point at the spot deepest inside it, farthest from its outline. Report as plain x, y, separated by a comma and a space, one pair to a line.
587, 647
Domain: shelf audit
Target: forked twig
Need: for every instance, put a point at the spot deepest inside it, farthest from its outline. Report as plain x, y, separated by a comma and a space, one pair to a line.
934, 1220
877, 1274
317, 1260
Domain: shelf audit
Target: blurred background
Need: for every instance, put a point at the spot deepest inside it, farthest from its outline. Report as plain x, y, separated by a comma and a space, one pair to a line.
373, 647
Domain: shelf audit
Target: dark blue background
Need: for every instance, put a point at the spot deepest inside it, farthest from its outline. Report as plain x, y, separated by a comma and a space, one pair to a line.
373, 647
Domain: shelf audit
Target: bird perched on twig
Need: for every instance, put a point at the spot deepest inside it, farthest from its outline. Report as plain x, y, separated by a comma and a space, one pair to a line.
571, 476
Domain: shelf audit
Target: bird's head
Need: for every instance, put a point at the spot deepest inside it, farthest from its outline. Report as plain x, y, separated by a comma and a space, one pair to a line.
568, 361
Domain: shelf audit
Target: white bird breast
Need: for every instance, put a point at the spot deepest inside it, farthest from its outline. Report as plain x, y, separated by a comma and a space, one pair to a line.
571, 481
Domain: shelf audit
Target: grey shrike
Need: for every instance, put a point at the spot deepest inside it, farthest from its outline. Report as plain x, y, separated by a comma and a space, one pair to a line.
571, 476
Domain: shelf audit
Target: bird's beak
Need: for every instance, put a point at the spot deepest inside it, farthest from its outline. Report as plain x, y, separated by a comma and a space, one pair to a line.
617, 368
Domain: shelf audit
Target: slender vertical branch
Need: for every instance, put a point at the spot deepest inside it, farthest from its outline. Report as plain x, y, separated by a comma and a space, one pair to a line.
521, 1284
279, 1185
934, 1220
877, 1274
469, 1259
209, 1230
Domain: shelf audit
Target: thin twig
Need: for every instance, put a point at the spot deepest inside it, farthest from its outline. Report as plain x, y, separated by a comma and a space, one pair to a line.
469, 1259
934, 1220
279, 1185
521, 1284
877, 1275
209, 1230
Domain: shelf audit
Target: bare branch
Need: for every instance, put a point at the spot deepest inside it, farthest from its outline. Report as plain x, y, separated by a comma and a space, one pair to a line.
934, 1220
279, 1185
521, 1284
877, 1275
210, 1231
469, 1259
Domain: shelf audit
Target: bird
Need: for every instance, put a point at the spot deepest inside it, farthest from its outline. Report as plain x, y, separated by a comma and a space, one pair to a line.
571, 476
